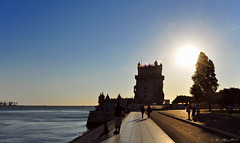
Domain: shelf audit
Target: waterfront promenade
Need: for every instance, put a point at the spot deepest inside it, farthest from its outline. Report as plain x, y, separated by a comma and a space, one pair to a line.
134, 129
169, 126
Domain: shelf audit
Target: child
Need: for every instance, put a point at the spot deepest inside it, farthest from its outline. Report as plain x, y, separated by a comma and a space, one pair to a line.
105, 130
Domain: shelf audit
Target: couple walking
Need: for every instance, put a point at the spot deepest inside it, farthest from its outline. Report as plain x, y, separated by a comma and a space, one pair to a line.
149, 110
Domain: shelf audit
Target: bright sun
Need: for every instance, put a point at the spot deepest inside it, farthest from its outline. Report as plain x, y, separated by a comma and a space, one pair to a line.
187, 55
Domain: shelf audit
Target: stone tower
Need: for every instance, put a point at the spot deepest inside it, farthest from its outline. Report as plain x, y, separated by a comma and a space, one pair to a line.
149, 84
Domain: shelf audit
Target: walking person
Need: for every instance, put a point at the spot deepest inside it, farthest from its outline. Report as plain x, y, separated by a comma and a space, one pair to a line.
149, 110
188, 111
118, 117
142, 110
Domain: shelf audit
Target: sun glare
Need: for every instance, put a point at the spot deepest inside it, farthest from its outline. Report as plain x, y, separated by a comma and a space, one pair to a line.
187, 55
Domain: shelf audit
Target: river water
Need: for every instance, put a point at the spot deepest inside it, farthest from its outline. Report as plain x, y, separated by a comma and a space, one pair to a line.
42, 124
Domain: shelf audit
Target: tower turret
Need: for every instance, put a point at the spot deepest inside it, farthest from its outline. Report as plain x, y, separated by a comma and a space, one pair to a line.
101, 99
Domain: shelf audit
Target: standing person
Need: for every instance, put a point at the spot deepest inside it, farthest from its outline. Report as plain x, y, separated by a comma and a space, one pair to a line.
210, 108
149, 110
188, 111
198, 111
193, 113
230, 110
118, 117
142, 110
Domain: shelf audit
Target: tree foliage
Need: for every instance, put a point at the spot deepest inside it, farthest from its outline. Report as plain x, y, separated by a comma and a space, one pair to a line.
229, 97
204, 78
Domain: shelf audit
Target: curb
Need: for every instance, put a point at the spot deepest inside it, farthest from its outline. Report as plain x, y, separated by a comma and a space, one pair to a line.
205, 127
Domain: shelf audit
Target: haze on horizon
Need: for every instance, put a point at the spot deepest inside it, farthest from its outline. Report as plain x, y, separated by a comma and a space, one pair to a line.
68, 52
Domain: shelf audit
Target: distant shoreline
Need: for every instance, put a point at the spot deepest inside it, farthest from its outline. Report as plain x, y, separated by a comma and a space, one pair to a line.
52, 105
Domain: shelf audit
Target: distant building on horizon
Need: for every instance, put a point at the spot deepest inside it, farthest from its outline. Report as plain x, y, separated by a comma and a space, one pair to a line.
10, 103
107, 103
149, 84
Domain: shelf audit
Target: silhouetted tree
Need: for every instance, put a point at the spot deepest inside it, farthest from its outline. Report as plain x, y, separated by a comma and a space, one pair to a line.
229, 96
205, 81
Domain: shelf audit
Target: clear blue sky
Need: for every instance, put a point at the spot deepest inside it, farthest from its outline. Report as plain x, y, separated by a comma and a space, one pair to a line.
65, 52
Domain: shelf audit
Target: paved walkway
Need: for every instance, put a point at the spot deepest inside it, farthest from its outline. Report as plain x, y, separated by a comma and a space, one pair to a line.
138, 130
135, 129
216, 122
181, 114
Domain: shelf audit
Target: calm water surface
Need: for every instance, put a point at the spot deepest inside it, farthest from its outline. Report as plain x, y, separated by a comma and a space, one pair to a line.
39, 124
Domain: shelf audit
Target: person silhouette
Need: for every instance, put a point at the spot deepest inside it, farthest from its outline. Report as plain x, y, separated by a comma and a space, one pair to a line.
230, 109
149, 110
188, 111
118, 117
198, 112
193, 113
142, 110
